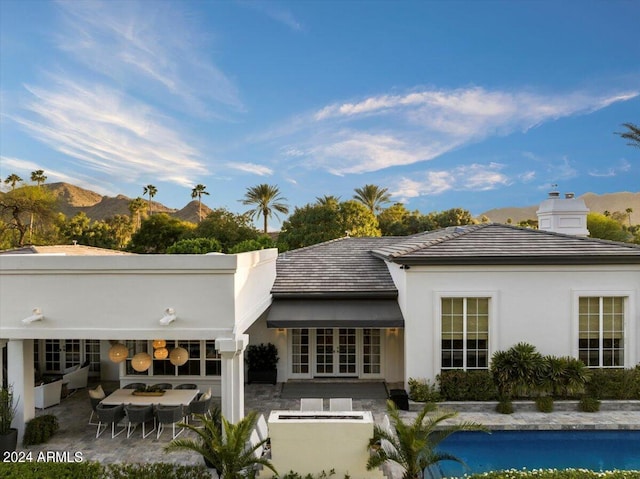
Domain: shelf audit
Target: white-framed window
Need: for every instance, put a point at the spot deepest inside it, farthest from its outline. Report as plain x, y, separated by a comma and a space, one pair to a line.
464, 332
300, 352
371, 351
601, 331
204, 359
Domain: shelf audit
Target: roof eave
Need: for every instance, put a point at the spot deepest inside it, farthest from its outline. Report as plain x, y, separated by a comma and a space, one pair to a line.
516, 260
383, 294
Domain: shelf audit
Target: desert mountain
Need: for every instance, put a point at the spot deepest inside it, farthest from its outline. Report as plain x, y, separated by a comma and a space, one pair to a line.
73, 199
596, 203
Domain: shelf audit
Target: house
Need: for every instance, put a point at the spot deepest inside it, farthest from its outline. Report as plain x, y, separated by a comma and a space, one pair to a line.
395, 308
388, 308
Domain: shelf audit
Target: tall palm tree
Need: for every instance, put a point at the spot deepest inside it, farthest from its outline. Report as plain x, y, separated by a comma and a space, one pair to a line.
197, 192
38, 177
267, 199
12, 179
413, 446
629, 211
224, 446
151, 191
632, 134
372, 196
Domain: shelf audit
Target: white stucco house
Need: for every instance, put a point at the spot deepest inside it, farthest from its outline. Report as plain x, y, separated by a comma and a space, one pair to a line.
386, 309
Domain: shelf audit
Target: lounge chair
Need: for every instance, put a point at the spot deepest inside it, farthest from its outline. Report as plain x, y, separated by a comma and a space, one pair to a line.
340, 404
311, 404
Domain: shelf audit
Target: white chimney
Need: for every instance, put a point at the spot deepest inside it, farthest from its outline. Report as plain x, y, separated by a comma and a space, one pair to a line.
566, 215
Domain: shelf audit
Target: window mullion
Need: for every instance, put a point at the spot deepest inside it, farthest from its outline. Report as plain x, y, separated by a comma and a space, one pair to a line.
464, 333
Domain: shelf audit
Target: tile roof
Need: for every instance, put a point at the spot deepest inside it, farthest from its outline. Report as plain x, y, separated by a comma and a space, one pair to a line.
504, 244
343, 266
351, 267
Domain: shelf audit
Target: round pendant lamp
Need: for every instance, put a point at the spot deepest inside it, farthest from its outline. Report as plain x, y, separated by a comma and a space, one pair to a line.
141, 362
161, 353
179, 356
118, 353
159, 343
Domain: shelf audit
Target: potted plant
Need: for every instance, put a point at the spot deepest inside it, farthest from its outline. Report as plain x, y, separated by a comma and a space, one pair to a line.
8, 435
262, 360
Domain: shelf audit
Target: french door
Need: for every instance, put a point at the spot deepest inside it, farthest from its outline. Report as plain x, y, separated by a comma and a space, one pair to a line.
55, 355
336, 352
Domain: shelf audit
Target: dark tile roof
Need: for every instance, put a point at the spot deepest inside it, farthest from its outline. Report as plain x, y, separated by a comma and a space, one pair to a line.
343, 266
504, 244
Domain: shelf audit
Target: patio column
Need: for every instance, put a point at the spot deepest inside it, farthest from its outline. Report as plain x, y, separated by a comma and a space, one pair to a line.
232, 385
20, 376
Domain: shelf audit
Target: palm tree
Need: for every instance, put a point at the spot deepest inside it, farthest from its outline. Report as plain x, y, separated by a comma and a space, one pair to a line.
197, 192
137, 207
224, 445
629, 211
327, 200
151, 191
632, 134
38, 177
372, 196
12, 179
267, 199
413, 446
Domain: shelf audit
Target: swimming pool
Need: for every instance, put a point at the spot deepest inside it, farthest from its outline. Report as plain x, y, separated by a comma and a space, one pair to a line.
589, 449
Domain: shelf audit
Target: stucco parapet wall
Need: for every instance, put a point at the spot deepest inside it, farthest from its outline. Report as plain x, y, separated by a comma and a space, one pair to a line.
193, 264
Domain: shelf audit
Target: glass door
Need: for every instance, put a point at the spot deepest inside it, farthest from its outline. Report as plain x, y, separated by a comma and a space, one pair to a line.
324, 352
336, 352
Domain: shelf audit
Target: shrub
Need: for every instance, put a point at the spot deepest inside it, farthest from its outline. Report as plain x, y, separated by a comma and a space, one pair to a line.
614, 384
163, 470
457, 385
505, 406
589, 404
421, 390
40, 429
40, 470
556, 474
517, 371
544, 403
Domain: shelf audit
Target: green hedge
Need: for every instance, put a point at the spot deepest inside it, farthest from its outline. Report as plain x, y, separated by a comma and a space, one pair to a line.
40, 429
95, 470
556, 474
614, 383
456, 385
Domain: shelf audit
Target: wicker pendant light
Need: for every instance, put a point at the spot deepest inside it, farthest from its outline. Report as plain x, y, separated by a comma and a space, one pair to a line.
118, 353
179, 356
141, 362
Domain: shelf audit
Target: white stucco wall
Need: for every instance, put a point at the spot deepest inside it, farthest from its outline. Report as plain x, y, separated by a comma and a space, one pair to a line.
533, 304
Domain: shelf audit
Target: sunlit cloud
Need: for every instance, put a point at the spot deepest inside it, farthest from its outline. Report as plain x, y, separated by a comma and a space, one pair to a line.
392, 130
622, 167
109, 133
259, 170
156, 44
474, 177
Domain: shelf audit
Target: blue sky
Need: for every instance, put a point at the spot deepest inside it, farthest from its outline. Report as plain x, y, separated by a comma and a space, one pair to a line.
472, 104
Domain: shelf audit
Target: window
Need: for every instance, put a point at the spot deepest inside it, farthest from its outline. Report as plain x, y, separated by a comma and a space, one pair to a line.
300, 351
135, 346
213, 361
601, 331
371, 351
465, 333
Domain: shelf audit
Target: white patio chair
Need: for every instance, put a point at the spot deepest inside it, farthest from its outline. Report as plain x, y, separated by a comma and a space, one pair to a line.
261, 428
340, 404
311, 404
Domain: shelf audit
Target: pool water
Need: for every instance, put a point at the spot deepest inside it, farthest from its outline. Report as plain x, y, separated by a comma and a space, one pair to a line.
596, 450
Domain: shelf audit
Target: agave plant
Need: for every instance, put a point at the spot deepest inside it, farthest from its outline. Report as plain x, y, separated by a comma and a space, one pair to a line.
224, 445
413, 446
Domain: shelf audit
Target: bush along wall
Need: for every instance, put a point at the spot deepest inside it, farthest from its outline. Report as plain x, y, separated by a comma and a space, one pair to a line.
457, 385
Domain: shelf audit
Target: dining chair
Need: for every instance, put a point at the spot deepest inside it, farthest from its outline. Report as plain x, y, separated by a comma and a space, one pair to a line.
165, 386
169, 415
186, 386
199, 406
340, 404
135, 386
109, 415
140, 415
311, 404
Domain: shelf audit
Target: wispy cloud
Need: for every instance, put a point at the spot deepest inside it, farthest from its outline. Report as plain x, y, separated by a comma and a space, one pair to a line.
275, 12
391, 130
260, 170
109, 133
474, 177
622, 167
160, 46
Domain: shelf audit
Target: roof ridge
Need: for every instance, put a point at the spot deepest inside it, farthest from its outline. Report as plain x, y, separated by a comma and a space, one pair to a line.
566, 235
457, 231
311, 246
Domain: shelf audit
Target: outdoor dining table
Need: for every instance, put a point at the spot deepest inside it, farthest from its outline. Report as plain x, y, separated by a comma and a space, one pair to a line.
171, 397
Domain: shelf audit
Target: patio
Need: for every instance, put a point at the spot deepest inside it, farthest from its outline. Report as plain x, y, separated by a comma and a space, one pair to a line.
76, 435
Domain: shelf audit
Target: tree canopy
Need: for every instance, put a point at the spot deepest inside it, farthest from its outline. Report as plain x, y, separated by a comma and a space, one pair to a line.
227, 227
267, 200
157, 233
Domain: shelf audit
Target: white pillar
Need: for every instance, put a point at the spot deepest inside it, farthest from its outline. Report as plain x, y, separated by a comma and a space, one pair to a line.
20, 377
232, 381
